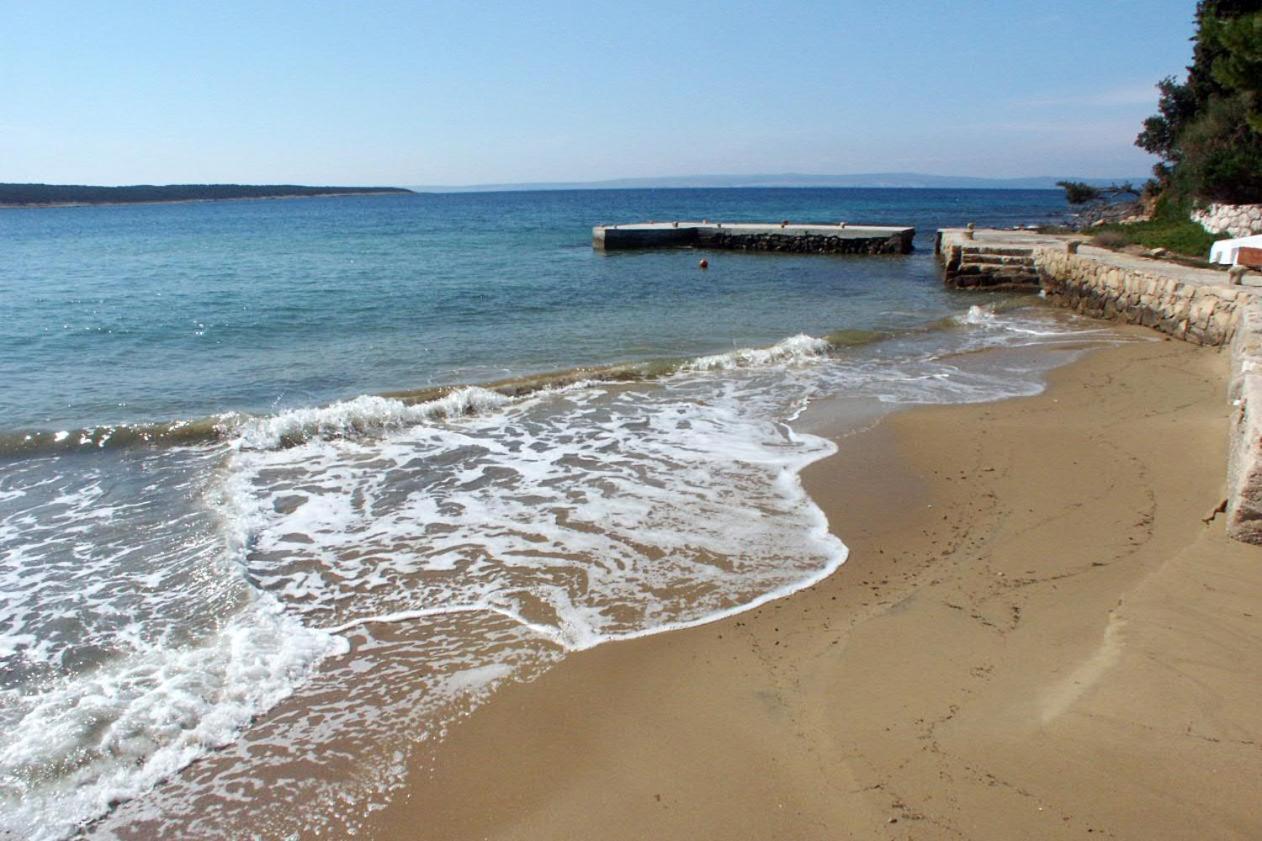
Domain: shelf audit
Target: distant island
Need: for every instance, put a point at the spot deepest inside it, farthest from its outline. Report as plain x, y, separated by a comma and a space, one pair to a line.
870, 180
48, 195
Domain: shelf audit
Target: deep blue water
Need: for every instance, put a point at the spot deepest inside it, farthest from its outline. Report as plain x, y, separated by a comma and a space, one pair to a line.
118, 314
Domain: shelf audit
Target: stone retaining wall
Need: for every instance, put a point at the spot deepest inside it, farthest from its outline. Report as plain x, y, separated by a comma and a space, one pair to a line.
1239, 220
1244, 455
1203, 315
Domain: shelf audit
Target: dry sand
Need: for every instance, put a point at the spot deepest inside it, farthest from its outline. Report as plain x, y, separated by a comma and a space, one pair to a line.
1035, 637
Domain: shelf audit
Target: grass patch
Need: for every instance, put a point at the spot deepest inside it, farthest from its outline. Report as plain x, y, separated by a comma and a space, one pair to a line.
1169, 228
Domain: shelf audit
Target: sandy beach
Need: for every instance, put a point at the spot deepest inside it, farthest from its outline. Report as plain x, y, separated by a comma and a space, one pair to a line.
1035, 636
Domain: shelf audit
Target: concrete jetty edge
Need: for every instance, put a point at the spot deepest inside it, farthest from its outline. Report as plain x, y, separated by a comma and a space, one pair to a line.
798, 238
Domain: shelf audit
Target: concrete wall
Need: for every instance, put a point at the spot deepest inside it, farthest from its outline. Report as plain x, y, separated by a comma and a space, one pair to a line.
1239, 220
1204, 315
802, 239
614, 239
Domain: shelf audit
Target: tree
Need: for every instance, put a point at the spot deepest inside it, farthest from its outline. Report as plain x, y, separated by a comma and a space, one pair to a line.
1238, 66
1177, 107
1078, 192
1208, 129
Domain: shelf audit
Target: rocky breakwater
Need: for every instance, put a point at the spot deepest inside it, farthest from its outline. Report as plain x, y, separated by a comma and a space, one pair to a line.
1238, 220
1244, 456
1195, 305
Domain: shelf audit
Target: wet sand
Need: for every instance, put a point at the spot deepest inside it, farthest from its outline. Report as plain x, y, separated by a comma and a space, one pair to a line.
1035, 636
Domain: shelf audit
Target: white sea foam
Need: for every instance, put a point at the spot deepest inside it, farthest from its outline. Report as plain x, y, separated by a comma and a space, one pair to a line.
978, 315
127, 648
1018, 323
136, 721
575, 516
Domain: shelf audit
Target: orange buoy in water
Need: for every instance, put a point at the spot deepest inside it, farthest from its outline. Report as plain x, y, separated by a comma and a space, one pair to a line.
704, 264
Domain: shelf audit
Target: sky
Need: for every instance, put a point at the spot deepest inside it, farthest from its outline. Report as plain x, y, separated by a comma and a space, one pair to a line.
457, 93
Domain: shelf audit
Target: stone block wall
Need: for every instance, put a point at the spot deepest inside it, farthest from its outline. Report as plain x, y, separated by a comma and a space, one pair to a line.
1244, 455
1203, 315
1239, 220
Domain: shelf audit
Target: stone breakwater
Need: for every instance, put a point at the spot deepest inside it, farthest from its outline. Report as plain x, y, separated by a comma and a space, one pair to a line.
1195, 305
1239, 220
743, 236
802, 244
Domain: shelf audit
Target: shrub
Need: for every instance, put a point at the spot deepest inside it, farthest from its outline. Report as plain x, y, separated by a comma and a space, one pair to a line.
1110, 239
1170, 228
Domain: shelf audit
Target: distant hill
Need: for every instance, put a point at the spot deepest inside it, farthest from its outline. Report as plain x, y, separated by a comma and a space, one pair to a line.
27, 195
793, 179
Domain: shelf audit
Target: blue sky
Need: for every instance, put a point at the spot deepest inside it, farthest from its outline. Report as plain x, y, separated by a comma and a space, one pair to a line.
461, 93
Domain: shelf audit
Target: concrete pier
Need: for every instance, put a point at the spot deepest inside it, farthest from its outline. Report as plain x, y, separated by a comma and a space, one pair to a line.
808, 238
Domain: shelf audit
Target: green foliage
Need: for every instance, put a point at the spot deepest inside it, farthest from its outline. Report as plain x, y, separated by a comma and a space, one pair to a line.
1208, 129
1170, 228
1078, 193
1222, 155
1176, 108
1239, 66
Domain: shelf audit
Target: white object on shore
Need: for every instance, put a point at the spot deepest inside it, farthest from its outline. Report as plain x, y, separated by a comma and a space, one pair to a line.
1225, 250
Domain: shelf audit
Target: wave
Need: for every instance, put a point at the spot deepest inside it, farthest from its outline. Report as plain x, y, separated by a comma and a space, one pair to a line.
377, 413
793, 349
372, 413
361, 416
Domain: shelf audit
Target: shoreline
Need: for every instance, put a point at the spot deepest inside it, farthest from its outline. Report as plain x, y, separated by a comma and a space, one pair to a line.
994, 660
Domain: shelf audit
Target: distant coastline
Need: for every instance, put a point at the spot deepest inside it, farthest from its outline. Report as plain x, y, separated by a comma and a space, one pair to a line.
870, 180
78, 195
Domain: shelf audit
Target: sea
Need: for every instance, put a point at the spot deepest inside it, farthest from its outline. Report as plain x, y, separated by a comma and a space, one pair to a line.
289, 487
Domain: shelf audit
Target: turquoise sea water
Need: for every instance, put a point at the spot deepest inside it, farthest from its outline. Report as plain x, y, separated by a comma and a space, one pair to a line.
115, 314
247, 633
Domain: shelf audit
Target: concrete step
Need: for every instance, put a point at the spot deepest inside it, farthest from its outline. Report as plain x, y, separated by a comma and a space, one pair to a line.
996, 251
989, 268
995, 260
1020, 281
988, 276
